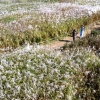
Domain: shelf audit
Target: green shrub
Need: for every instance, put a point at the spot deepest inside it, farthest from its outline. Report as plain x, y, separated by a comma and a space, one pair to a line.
95, 32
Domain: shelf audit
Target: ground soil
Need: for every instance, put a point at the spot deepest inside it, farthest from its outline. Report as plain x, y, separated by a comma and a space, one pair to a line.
60, 43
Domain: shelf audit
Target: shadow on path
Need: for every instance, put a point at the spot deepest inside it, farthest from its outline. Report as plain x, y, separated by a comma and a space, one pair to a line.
65, 41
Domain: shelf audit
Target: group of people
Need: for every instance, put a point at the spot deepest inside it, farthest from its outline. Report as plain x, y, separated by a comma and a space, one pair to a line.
74, 33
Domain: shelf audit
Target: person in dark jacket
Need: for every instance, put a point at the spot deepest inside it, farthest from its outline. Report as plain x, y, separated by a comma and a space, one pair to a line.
74, 34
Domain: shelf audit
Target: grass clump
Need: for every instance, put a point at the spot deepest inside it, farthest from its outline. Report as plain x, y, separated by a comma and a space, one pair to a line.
8, 19
95, 32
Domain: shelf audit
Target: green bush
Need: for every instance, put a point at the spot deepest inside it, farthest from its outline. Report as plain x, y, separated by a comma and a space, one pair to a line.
95, 32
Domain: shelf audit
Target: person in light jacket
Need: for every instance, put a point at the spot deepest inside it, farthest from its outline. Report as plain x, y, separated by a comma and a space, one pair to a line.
81, 31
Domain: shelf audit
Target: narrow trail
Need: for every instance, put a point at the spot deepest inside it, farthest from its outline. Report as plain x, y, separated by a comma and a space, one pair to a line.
60, 43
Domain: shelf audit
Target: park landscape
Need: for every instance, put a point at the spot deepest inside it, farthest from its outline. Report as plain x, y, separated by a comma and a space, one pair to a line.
30, 68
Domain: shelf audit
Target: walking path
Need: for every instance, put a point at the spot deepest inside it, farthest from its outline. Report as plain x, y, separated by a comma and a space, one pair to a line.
58, 44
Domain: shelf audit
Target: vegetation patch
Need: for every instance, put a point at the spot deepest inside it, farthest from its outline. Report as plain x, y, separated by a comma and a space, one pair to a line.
35, 72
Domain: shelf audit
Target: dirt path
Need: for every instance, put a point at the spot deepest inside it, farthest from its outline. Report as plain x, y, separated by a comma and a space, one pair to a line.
58, 44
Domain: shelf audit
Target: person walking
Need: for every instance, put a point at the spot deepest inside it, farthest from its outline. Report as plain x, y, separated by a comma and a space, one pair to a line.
81, 31
74, 34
